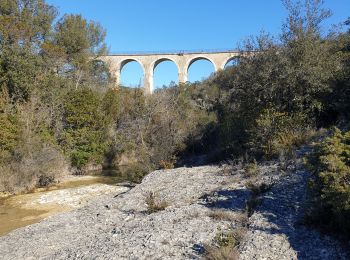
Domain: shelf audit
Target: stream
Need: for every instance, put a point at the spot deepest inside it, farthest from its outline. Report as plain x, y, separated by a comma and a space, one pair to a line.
73, 192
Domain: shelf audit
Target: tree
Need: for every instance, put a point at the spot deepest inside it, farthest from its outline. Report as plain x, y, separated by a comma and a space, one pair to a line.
24, 27
25, 23
291, 74
84, 132
340, 99
81, 41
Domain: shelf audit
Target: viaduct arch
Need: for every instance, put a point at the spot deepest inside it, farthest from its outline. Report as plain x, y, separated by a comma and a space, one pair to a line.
182, 60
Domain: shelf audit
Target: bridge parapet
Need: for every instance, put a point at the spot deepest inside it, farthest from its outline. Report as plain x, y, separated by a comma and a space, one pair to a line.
179, 52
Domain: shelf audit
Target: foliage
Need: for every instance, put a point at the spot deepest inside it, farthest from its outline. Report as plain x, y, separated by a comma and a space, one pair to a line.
34, 155
24, 26
9, 133
330, 185
275, 133
278, 83
339, 100
83, 136
78, 40
34, 57
154, 129
110, 106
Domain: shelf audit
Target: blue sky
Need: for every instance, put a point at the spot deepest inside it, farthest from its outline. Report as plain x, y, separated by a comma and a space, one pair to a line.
156, 25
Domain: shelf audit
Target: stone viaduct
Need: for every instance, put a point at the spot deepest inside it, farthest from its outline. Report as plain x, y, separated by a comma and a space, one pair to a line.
182, 60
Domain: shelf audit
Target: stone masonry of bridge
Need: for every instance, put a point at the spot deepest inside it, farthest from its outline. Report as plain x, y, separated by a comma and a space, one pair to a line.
182, 60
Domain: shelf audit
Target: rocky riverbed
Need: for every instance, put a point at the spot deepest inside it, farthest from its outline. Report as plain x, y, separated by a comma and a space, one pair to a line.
173, 214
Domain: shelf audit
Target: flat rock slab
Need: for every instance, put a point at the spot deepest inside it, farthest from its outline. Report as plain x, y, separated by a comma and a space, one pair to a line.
74, 197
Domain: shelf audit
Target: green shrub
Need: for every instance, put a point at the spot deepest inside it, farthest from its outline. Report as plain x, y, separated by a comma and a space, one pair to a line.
8, 135
225, 245
330, 185
229, 239
275, 132
84, 136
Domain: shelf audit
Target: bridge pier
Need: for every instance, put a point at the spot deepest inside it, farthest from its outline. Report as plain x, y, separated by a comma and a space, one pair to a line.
117, 77
182, 74
148, 79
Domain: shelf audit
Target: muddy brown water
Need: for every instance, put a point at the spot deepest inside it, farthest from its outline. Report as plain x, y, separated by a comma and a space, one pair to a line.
14, 215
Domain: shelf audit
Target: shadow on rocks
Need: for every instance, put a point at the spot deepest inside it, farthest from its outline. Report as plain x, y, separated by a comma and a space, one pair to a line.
284, 209
234, 200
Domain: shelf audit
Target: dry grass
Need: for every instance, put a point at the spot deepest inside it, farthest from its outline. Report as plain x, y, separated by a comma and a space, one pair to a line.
154, 204
163, 164
226, 170
194, 214
28, 172
226, 215
221, 253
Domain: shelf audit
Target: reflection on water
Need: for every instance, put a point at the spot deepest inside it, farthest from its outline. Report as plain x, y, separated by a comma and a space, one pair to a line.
13, 215
133, 173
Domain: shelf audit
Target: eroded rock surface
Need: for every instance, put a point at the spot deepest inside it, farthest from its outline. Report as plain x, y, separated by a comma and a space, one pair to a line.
276, 229
121, 226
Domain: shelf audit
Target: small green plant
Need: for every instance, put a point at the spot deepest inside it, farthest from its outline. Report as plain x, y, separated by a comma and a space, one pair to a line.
154, 204
229, 239
225, 245
251, 169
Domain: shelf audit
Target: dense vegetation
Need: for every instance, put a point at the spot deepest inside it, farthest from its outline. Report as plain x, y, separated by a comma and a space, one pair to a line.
59, 111
330, 186
43, 66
